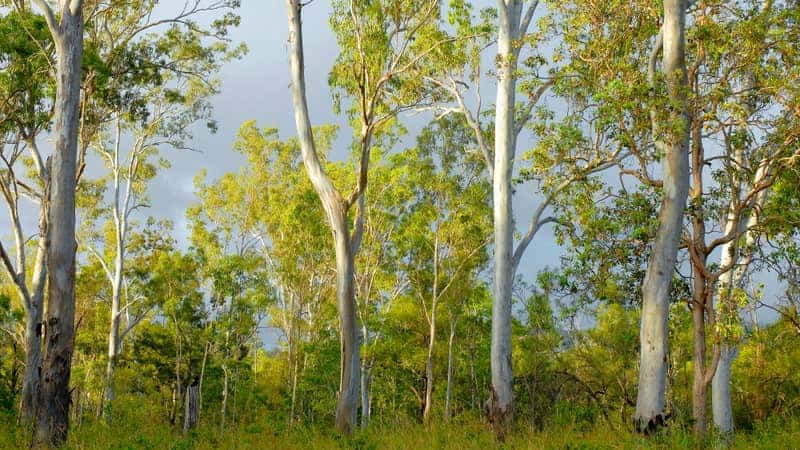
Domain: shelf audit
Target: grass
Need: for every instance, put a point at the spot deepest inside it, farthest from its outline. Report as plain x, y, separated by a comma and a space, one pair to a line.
143, 428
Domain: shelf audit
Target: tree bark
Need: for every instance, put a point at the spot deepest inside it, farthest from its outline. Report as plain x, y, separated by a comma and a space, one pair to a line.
449, 392
502, 392
721, 390
33, 324
650, 402
52, 418
192, 407
120, 213
426, 413
336, 210
33, 364
699, 385
721, 383
366, 395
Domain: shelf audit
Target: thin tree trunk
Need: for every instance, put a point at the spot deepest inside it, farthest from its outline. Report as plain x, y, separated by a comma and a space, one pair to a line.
449, 392
366, 398
120, 229
426, 413
294, 392
699, 386
33, 325
52, 417
473, 379
721, 383
224, 407
650, 402
113, 354
202, 377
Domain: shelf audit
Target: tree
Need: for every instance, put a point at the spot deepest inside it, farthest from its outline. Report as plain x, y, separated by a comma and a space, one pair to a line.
25, 114
522, 67
52, 417
160, 85
383, 58
673, 140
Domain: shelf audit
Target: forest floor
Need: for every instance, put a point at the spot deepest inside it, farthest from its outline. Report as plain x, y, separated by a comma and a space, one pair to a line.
150, 433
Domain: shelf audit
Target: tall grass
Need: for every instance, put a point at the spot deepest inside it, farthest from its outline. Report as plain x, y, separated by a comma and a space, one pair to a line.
139, 426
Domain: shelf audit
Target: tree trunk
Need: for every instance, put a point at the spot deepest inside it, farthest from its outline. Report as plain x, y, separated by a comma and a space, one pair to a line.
52, 418
33, 363
502, 392
699, 386
721, 390
294, 391
426, 413
336, 210
113, 351
202, 377
366, 395
347, 405
33, 324
650, 402
224, 407
192, 407
120, 229
449, 392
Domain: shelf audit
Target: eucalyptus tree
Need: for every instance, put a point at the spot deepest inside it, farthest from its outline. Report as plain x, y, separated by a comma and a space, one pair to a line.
386, 49
671, 137
25, 115
524, 66
52, 416
156, 77
762, 160
626, 93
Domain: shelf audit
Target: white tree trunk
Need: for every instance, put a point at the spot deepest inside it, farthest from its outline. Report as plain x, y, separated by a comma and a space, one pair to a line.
336, 211
449, 392
34, 302
721, 384
721, 389
426, 413
650, 400
52, 418
502, 392
120, 213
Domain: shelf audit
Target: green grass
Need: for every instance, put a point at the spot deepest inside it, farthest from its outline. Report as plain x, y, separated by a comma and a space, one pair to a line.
144, 428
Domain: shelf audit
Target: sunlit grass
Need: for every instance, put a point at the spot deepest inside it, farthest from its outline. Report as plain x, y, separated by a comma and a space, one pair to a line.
144, 427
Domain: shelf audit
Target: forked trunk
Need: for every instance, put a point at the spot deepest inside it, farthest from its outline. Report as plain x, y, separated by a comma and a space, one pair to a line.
336, 211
